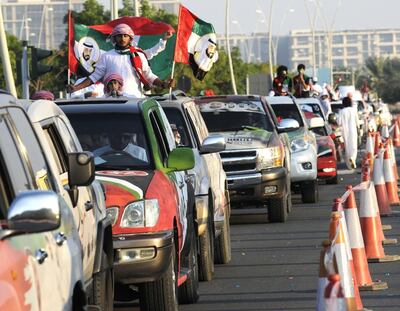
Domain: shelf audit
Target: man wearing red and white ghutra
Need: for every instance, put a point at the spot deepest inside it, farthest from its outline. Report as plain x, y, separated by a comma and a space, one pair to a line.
129, 62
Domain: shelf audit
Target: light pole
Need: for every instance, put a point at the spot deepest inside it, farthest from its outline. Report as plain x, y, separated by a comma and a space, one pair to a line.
5, 58
312, 26
228, 47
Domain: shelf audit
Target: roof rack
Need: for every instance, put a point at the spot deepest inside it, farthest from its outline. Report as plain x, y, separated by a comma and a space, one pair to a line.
174, 95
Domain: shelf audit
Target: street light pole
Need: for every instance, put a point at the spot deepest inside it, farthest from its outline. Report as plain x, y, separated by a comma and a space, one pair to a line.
271, 64
228, 47
5, 57
312, 26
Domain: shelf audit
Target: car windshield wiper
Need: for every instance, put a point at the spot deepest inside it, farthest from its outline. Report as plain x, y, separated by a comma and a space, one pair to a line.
252, 128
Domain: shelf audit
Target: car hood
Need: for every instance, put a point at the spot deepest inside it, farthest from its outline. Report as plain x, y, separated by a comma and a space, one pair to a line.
248, 138
134, 182
296, 134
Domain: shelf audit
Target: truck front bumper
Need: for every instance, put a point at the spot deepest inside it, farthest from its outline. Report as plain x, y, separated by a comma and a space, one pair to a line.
303, 165
257, 187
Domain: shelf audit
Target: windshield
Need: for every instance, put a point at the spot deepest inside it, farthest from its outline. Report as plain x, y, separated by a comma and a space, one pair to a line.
287, 111
117, 140
235, 116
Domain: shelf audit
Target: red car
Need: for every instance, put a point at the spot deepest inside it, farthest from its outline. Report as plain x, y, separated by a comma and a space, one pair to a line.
327, 160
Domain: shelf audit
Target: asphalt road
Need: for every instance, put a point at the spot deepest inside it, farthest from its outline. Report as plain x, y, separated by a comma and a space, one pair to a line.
275, 266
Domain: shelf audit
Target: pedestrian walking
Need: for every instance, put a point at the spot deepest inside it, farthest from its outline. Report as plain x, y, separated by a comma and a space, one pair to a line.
348, 120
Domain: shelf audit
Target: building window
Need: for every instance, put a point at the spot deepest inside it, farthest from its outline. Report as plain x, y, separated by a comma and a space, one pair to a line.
303, 40
386, 37
337, 39
386, 50
338, 63
337, 52
351, 38
352, 51
352, 63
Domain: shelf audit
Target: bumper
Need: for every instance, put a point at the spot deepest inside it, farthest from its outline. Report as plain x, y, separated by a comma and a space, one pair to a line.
257, 187
326, 167
303, 165
155, 250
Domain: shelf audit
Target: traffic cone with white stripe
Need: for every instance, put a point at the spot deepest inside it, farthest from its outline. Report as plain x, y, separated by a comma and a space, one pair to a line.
390, 182
380, 186
377, 142
370, 144
323, 275
372, 234
334, 297
396, 134
339, 247
385, 132
360, 263
374, 205
393, 159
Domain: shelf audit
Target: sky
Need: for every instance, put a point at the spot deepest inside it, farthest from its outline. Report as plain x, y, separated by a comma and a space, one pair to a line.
292, 14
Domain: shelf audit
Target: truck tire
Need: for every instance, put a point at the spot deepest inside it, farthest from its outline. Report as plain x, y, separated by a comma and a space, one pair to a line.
277, 209
223, 252
103, 286
188, 292
162, 294
309, 192
206, 256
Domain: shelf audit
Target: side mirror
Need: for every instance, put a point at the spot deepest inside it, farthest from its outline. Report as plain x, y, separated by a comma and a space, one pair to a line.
181, 159
34, 211
81, 169
316, 122
287, 125
212, 144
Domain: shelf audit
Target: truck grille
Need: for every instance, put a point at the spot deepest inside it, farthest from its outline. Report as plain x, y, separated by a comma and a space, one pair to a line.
236, 162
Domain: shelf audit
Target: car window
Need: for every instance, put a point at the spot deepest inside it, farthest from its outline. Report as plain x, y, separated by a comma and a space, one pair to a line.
56, 146
118, 140
178, 125
165, 128
31, 151
161, 140
311, 108
287, 111
235, 116
65, 134
198, 125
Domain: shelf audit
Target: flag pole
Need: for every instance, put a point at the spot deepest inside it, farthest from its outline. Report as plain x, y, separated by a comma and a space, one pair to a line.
172, 77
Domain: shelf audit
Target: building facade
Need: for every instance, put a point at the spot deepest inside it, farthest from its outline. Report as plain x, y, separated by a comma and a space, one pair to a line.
349, 48
40, 22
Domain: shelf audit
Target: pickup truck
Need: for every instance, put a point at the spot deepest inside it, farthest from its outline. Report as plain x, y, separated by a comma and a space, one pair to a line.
254, 159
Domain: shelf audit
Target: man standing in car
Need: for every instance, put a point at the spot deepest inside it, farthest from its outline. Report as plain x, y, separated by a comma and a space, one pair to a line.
282, 84
130, 62
300, 83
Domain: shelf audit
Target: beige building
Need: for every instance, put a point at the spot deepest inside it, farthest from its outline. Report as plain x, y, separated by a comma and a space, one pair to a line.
39, 21
350, 48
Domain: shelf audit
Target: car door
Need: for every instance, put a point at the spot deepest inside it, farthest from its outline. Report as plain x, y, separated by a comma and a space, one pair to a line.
39, 259
61, 142
166, 142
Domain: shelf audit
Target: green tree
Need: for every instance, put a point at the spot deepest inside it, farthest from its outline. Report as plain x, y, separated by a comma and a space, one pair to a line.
92, 14
127, 8
15, 52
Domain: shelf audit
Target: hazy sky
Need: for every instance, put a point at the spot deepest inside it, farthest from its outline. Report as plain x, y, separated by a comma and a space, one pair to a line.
291, 14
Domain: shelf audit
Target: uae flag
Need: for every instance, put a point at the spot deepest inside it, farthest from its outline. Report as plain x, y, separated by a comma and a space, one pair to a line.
196, 43
87, 43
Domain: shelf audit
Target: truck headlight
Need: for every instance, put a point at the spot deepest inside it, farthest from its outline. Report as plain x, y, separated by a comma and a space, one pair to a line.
142, 213
269, 157
299, 144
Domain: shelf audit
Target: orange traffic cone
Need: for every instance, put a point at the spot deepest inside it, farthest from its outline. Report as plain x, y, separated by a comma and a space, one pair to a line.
393, 159
385, 132
342, 259
390, 182
377, 142
323, 275
380, 186
370, 144
360, 263
370, 228
396, 134
334, 297
374, 203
